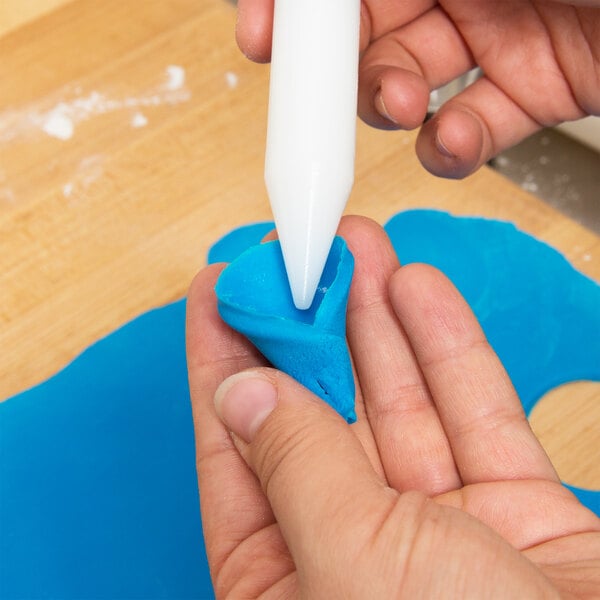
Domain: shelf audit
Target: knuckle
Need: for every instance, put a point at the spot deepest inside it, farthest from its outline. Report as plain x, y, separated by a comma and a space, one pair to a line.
280, 450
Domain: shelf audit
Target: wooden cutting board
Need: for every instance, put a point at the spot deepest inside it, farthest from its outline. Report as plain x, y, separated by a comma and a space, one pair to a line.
132, 137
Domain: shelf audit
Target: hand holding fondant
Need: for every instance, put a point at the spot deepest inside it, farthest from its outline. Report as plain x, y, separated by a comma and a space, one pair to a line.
540, 62
435, 490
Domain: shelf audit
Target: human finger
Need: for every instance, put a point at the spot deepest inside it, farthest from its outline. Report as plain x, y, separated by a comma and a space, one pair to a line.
471, 128
480, 411
412, 444
399, 69
537, 60
254, 28
232, 503
540, 510
323, 490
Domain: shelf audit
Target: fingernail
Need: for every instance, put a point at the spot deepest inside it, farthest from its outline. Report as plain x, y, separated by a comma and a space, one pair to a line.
441, 147
380, 106
243, 402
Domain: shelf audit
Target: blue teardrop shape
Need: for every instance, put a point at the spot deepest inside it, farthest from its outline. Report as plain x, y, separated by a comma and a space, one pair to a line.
309, 345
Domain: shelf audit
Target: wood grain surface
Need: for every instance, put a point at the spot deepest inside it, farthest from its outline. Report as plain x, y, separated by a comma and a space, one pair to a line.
15, 13
116, 217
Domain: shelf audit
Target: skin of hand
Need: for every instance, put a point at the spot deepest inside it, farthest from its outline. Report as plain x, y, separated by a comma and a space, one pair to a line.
439, 490
541, 60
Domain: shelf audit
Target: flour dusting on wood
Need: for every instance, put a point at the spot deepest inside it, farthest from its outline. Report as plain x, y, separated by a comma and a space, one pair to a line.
232, 80
139, 120
175, 77
60, 120
89, 170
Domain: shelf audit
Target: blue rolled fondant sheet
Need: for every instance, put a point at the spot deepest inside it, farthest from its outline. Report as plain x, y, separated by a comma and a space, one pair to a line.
234, 243
98, 491
98, 495
540, 314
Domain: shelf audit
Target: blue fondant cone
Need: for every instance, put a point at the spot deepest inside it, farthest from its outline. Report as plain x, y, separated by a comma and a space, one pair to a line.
310, 345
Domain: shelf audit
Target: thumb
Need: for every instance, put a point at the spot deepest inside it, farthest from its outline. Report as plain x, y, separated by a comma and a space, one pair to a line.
313, 469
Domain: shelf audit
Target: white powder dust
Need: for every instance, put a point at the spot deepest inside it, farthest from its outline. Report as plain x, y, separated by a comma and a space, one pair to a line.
530, 186
139, 120
89, 170
175, 77
60, 120
232, 80
68, 189
58, 124
502, 161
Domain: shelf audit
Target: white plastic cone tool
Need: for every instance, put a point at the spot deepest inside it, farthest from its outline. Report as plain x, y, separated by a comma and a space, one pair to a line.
311, 133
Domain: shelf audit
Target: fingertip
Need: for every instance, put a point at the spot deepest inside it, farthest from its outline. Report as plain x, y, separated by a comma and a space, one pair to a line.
424, 281
414, 281
244, 400
374, 255
404, 96
359, 230
393, 98
254, 29
200, 299
374, 258
270, 237
204, 281
201, 308
452, 144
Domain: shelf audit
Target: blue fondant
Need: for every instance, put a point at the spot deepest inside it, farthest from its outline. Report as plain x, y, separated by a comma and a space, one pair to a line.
310, 345
540, 315
98, 490
98, 494
231, 245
